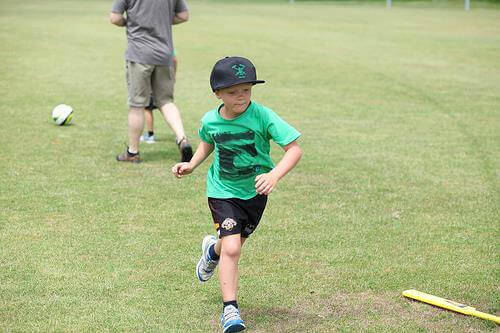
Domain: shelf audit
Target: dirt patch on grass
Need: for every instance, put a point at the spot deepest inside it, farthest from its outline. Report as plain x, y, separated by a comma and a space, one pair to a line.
365, 311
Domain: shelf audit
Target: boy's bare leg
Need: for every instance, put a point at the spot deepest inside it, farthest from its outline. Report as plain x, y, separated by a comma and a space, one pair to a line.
135, 127
173, 118
148, 115
229, 248
218, 245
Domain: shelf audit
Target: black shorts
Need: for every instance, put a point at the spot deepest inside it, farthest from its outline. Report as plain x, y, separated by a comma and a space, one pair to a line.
237, 216
151, 105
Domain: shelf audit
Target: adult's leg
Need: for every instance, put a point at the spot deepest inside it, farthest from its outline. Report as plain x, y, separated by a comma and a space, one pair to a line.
139, 92
173, 118
163, 80
135, 127
163, 89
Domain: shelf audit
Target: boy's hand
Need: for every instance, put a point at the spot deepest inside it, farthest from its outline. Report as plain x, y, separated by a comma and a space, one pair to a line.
182, 169
265, 183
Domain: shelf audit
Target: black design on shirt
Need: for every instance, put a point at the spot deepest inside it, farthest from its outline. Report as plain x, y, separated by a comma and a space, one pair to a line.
233, 145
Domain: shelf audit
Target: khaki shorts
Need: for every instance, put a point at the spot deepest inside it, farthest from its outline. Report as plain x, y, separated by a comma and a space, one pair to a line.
142, 80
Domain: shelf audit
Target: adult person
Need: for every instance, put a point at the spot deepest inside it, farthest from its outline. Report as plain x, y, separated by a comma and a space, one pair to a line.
149, 66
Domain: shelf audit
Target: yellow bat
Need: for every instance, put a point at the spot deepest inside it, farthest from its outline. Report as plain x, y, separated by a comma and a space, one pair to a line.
450, 305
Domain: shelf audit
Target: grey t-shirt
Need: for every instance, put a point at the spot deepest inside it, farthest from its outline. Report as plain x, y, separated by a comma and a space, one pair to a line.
149, 29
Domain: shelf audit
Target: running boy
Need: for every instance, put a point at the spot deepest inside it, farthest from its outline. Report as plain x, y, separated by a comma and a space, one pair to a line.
242, 173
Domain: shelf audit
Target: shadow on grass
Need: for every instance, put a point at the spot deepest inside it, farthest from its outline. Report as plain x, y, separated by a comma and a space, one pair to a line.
372, 311
281, 319
276, 320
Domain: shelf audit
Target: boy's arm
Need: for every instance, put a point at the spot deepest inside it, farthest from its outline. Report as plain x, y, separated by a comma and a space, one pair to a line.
265, 183
185, 168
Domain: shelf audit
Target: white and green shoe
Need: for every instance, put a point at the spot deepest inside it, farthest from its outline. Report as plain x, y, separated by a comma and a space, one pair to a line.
206, 266
231, 320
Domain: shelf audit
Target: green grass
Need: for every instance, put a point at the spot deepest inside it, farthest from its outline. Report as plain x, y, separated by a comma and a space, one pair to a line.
398, 187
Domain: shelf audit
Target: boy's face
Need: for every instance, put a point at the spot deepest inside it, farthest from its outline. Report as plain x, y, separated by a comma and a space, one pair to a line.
236, 98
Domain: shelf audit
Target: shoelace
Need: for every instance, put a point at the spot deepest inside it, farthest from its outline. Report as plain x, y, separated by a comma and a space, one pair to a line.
231, 314
211, 264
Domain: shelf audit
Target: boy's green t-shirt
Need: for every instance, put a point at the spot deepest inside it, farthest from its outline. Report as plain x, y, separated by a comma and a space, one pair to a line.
242, 149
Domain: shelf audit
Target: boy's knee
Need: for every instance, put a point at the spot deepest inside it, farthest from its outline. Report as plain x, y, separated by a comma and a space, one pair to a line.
231, 247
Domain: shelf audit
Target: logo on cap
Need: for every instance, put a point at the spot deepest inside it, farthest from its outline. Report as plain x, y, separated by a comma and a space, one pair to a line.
239, 71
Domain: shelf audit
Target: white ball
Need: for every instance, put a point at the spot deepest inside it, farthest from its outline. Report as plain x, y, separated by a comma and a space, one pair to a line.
62, 114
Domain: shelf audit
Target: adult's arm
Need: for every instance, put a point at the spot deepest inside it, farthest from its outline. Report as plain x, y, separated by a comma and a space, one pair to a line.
117, 19
181, 17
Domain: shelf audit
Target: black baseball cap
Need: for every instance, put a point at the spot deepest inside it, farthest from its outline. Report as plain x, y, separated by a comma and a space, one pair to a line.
231, 71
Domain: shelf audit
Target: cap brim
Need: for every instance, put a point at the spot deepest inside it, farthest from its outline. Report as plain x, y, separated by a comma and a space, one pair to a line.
258, 81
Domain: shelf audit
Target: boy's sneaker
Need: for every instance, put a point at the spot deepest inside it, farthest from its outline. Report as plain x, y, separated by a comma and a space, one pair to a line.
127, 157
231, 320
206, 266
147, 138
185, 149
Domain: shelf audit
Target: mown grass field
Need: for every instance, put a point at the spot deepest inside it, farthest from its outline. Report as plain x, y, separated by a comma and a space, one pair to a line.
398, 188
